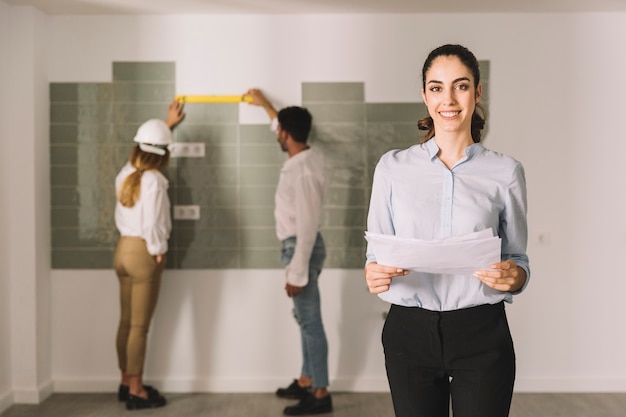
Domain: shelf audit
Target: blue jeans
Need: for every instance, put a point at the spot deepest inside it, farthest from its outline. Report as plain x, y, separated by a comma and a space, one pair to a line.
308, 315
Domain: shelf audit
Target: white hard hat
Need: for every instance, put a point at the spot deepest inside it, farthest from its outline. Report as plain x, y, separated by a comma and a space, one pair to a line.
154, 136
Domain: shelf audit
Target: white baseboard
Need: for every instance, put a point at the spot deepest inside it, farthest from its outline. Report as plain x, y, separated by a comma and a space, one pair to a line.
573, 385
6, 401
22, 396
218, 385
86, 385
373, 384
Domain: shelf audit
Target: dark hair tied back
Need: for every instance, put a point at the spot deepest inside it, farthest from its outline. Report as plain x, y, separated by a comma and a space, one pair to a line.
469, 60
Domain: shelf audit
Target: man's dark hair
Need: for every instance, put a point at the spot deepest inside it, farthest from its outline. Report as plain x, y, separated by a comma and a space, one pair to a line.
296, 121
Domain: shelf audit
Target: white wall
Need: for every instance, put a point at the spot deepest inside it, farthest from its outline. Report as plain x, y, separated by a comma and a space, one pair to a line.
27, 204
556, 99
6, 395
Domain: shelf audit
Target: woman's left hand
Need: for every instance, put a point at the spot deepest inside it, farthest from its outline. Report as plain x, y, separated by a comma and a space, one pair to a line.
505, 276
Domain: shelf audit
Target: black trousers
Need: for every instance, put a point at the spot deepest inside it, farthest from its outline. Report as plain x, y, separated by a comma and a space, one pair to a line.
466, 356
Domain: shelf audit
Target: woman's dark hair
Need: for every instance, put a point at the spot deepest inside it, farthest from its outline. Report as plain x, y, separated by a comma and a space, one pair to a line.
469, 60
296, 121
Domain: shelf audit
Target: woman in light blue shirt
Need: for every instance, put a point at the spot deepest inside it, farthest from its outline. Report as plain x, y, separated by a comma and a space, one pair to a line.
446, 336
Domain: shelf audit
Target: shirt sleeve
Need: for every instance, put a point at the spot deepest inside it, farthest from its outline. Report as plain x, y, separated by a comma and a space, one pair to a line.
274, 125
513, 224
156, 224
379, 217
309, 198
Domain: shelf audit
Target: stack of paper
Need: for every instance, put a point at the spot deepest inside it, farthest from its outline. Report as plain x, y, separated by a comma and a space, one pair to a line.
455, 255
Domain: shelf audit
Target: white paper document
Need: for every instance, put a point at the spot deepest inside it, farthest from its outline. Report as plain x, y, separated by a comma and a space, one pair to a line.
459, 255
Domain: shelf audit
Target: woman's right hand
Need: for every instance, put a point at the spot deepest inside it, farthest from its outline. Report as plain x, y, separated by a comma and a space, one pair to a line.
378, 277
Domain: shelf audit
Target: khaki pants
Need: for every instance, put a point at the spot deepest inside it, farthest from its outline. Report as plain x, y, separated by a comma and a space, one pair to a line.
140, 279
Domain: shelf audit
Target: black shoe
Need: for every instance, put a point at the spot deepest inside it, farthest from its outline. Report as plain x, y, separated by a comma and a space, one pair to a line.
123, 391
310, 405
138, 403
293, 391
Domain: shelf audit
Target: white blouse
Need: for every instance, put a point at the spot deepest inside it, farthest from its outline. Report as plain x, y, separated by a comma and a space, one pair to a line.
150, 217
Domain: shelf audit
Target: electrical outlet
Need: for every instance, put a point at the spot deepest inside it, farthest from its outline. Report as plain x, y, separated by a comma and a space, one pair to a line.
187, 150
191, 212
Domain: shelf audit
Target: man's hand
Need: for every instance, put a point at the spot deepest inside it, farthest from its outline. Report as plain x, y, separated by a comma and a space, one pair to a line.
259, 99
292, 290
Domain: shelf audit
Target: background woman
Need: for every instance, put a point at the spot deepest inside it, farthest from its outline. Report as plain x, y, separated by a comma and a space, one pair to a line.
142, 216
446, 336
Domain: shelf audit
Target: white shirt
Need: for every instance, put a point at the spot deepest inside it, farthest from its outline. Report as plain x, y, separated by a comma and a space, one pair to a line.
150, 217
298, 211
414, 195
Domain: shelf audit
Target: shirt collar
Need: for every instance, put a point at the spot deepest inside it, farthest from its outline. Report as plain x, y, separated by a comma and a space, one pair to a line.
470, 151
303, 154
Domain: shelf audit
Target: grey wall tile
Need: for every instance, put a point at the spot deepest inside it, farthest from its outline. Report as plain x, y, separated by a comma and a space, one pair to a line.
259, 238
143, 91
192, 238
333, 91
144, 71
344, 236
80, 92
337, 112
343, 257
79, 133
395, 112
197, 175
205, 195
262, 154
345, 197
221, 134
215, 218
211, 113
89, 113
261, 134
80, 238
259, 175
257, 196
78, 258
128, 113
344, 217
485, 69
261, 258
257, 217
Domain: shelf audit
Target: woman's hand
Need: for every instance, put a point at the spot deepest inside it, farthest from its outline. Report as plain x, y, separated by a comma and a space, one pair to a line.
175, 113
505, 276
378, 277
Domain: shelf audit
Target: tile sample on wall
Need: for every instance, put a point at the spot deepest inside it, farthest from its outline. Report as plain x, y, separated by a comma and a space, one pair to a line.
211, 182
339, 130
82, 162
91, 130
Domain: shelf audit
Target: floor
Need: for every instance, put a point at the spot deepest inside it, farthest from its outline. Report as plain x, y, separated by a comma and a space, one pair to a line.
266, 405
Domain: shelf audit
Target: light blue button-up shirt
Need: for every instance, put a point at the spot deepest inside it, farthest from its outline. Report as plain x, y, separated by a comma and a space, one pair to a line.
414, 195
